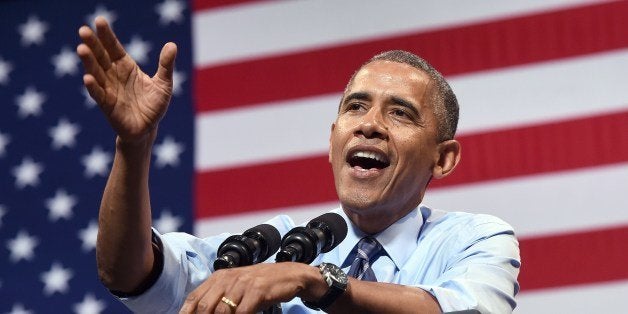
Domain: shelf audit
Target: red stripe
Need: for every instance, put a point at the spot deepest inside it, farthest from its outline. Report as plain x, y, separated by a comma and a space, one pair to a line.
486, 156
575, 258
457, 50
198, 5
565, 145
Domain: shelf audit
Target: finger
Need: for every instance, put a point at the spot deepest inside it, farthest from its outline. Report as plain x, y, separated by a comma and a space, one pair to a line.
90, 64
166, 62
222, 307
245, 301
251, 303
89, 38
94, 90
109, 40
196, 301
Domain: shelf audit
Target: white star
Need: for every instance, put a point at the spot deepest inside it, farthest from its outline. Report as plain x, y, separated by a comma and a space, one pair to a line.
110, 16
5, 68
88, 236
170, 11
63, 134
177, 80
167, 222
97, 162
30, 102
33, 31
89, 101
27, 173
18, 308
56, 279
3, 211
89, 305
66, 62
22, 247
138, 49
4, 141
168, 152
60, 206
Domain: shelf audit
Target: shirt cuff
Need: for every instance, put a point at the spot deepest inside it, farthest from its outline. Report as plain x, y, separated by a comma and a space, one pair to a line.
158, 266
162, 296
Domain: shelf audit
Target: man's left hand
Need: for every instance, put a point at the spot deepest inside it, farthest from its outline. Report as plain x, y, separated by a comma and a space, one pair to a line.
254, 288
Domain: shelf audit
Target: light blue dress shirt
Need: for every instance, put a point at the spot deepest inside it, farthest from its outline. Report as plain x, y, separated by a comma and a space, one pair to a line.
467, 261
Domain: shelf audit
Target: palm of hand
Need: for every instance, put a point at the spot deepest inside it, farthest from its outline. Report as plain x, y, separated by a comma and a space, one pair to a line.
134, 102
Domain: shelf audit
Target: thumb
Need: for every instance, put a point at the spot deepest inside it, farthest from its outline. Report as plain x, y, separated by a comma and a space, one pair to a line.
166, 62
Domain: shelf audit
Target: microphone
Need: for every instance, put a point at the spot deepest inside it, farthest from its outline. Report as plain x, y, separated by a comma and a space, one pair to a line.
320, 235
254, 246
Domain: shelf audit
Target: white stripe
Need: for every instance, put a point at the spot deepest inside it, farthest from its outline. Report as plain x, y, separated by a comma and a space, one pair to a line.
533, 205
502, 98
608, 297
238, 223
549, 203
273, 132
541, 92
271, 28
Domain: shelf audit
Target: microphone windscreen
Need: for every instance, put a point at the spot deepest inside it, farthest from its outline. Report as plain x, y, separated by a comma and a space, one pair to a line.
268, 234
334, 223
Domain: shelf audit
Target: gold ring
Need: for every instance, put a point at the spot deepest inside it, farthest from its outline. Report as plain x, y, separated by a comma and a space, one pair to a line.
230, 303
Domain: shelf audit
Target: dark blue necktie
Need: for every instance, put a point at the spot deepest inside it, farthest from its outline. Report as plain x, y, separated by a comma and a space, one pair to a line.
361, 269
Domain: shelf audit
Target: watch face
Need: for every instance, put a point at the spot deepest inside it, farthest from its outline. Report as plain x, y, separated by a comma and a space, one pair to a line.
333, 273
338, 275
337, 281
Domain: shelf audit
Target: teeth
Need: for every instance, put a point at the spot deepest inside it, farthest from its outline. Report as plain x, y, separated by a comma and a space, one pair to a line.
371, 155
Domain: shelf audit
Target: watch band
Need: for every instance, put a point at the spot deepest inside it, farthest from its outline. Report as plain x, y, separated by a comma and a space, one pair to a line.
337, 285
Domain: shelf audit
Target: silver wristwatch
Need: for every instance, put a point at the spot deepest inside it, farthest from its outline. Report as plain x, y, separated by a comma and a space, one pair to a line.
337, 282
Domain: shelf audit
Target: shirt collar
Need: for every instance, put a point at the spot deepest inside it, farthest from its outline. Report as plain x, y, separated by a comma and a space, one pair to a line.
399, 239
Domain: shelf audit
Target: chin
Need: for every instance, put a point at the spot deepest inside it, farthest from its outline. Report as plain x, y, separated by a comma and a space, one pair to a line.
358, 203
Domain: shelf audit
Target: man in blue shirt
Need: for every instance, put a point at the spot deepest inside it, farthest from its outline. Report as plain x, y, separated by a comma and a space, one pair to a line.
394, 132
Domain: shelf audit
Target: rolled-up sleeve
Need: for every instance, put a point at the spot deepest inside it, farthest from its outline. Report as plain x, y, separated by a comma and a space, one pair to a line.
482, 274
186, 264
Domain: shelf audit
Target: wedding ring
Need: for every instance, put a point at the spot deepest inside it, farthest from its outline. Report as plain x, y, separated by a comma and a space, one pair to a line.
230, 303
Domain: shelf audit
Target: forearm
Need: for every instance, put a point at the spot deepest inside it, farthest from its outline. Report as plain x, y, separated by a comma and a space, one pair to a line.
124, 251
374, 297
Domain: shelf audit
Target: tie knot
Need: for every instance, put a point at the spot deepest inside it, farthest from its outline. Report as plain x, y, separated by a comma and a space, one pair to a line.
368, 248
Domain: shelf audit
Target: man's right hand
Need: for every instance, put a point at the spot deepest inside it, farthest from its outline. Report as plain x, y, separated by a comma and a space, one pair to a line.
132, 101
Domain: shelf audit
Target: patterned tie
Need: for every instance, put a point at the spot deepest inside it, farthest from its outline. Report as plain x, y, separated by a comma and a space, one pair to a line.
361, 269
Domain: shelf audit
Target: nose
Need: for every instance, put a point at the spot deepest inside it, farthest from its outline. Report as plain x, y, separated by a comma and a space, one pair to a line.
373, 124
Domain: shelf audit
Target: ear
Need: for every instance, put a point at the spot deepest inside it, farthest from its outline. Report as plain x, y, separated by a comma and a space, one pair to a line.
447, 159
331, 134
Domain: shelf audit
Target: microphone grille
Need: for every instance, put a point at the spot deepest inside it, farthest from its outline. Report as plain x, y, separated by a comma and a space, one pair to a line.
267, 233
335, 223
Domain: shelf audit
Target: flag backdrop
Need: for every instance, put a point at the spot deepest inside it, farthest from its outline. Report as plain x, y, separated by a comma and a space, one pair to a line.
544, 129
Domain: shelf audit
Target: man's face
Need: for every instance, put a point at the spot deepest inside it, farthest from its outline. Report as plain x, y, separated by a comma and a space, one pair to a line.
383, 145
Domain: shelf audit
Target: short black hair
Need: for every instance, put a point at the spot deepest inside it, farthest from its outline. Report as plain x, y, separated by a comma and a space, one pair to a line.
443, 98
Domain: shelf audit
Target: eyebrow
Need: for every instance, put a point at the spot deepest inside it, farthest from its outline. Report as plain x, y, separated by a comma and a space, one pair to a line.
404, 103
357, 96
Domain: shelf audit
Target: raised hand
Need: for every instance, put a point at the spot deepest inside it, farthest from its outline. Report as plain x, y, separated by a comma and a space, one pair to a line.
132, 101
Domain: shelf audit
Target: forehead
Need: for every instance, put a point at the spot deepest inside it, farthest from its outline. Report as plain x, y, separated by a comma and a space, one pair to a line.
392, 78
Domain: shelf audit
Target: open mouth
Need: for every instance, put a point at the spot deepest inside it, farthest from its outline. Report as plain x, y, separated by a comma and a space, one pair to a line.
368, 160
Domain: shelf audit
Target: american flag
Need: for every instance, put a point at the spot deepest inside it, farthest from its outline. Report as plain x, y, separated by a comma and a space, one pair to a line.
56, 149
544, 129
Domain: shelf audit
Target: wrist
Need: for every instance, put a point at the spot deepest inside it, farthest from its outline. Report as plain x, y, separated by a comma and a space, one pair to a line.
137, 141
143, 144
315, 286
336, 283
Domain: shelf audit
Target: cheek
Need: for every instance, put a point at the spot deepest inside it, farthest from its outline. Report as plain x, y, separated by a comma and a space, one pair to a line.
415, 154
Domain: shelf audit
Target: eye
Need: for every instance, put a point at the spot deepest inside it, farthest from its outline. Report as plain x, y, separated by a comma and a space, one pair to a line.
400, 113
354, 106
